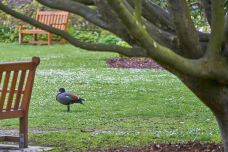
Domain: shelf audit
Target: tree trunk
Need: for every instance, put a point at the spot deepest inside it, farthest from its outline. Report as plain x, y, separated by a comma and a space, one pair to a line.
223, 126
215, 96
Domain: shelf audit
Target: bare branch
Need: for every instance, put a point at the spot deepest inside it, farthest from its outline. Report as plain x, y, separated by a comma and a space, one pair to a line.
226, 28
207, 9
72, 40
200, 68
118, 28
115, 26
156, 51
86, 2
159, 25
138, 10
217, 29
185, 29
156, 15
163, 37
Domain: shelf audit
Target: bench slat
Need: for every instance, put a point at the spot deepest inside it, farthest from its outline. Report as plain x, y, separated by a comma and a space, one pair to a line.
12, 89
16, 67
28, 91
11, 114
15, 91
9, 138
5, 86
1, 77
58, 21
34, 31
19, 90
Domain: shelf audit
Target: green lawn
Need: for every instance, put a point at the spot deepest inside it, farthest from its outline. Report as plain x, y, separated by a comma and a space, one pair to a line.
124, 107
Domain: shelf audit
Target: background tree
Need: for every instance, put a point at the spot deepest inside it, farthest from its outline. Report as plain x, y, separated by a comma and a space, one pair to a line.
165, 33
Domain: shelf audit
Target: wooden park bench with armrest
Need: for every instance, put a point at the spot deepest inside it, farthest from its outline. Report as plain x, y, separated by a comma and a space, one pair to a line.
57, 19
16, 81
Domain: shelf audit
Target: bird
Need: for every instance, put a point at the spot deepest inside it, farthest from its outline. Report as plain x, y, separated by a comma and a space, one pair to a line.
66, 98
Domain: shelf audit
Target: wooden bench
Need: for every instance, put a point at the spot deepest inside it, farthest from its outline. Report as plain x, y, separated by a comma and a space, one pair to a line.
57, 19
16, 82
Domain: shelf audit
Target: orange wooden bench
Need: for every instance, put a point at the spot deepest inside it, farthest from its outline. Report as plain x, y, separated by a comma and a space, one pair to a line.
16, 82
57, 19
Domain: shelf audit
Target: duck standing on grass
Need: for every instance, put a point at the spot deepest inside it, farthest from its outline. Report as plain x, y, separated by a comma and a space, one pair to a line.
66, 98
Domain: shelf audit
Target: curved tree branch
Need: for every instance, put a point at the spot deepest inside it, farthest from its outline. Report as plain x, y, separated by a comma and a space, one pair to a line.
200, 68
118, 28
226, 28
160, 22
86, 2
164, 37
108, 23
138, 10
110, 17
156, 15
217, 29
207, 9
72, 40
156, 51
185, 29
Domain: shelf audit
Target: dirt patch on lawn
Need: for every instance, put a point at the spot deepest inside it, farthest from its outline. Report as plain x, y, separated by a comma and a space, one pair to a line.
138, 63
15, 132
181, 147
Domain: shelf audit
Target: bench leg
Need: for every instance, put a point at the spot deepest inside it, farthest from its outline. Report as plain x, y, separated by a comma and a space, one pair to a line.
23, 133
64, 41
49, 38
20, 38
34, 37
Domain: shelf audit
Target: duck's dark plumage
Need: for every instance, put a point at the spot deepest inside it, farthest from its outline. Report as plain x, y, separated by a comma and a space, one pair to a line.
66, 98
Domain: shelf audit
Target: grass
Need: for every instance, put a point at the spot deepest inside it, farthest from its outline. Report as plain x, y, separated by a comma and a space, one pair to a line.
124, 107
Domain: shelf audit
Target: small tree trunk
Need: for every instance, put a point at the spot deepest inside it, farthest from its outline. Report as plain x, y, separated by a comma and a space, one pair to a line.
223, 126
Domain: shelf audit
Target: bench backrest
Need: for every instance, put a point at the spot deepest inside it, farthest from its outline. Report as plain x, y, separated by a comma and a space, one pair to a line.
16, 82
57, 19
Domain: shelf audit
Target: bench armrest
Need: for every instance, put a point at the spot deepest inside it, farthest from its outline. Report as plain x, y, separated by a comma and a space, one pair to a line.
22, 24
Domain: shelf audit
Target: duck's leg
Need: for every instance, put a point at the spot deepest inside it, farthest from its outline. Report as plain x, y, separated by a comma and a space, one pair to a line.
68, 108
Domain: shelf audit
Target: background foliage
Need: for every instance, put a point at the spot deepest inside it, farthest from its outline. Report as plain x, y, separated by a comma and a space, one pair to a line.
79, 27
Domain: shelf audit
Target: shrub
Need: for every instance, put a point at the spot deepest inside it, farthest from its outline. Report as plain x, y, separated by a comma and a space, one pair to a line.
8, 34
94, 36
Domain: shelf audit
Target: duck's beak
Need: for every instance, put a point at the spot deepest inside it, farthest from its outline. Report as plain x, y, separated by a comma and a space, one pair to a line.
81, 100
